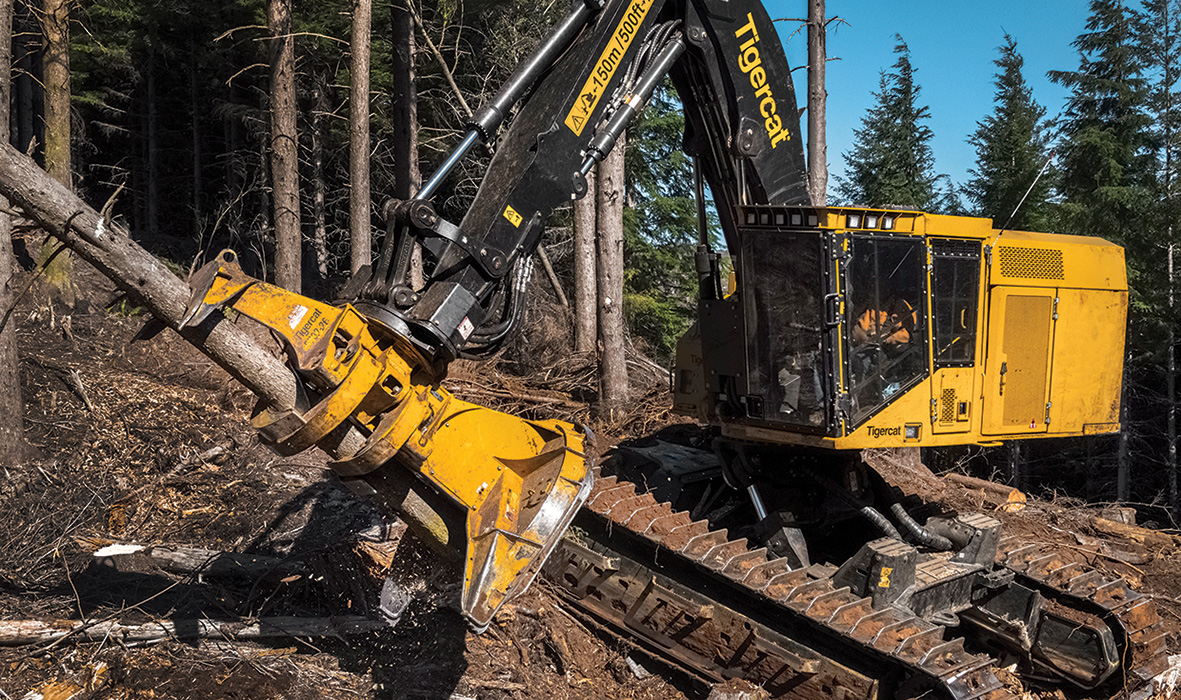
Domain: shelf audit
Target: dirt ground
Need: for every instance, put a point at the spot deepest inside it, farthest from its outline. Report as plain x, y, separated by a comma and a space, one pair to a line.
148, 443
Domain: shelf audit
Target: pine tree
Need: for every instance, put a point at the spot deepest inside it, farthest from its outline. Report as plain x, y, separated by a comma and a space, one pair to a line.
891, 162
1012, 146
1106, 154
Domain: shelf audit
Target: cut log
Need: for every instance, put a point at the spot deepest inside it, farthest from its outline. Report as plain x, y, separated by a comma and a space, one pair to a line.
1014, 498
23, 632
1142, 535
191, 560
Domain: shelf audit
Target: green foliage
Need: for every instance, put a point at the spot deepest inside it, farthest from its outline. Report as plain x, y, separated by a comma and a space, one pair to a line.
891, 162
1012, 145
1107, 162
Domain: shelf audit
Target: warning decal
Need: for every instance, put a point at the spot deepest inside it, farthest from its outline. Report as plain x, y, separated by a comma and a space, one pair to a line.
605, 67
513, 217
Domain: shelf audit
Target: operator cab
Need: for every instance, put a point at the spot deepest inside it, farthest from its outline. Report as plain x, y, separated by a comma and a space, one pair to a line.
854, 328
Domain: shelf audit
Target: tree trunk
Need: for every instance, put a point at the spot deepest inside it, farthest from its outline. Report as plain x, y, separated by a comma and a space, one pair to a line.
12, 421
1123, 454
55, 19
152, 147
25, 59
196, 127
284, 147
320, 229
585, 293
1171, 394
817, 103
612, 359
407, 178
360, 221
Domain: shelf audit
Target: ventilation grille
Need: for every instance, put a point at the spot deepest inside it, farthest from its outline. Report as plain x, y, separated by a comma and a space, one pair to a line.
1031, 263
947, 406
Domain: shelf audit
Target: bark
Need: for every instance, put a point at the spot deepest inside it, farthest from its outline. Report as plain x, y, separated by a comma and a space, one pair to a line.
320, 227
24, 84
1171, 394
152, 145
284, 147
585, 292
12, 426
612, 358
108, 247
196, 128
360, 223
22, 632
55, 18
407, 178
817, 103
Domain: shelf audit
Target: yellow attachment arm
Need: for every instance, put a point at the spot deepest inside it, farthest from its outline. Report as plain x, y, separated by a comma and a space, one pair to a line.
519, 482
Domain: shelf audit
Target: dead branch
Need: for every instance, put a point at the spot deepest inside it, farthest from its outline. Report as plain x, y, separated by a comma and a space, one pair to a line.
24, 632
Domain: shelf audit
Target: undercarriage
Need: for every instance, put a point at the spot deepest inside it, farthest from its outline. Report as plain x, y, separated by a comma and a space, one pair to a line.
698, 587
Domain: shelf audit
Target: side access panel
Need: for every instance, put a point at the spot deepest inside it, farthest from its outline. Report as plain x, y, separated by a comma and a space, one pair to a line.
1088, 354
1017, 371
951, 406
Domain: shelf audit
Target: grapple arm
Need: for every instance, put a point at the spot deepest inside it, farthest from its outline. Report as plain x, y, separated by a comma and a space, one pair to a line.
517, 482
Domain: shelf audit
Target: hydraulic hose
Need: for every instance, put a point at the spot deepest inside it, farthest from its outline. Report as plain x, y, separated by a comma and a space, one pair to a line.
919, 533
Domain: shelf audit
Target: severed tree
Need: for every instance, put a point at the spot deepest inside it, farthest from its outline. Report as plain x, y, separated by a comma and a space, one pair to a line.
359, 221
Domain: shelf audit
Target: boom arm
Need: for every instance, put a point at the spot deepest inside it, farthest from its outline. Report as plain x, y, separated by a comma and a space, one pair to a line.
589, 79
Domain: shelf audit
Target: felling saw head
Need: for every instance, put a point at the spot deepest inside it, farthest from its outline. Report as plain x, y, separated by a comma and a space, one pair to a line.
517, 482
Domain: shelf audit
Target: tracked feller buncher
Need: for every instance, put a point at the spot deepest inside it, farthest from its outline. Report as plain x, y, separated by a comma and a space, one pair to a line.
769, 544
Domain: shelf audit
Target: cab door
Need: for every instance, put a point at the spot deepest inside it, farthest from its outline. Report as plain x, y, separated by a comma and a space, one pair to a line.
955, 317
1017, 369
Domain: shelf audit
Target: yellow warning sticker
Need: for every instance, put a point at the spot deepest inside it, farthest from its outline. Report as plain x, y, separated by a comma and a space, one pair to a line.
605, 67
513, 217
884, 581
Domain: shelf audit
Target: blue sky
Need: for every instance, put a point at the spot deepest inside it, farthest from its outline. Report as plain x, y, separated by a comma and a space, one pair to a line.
952, 47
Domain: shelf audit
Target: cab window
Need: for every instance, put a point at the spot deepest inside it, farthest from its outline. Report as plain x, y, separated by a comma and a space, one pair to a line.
955, 281
886, 322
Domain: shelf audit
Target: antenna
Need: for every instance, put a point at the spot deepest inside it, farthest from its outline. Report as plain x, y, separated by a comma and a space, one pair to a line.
1023, 198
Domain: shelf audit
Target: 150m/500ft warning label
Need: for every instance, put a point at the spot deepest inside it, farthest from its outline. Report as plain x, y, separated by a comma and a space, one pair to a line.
604, 69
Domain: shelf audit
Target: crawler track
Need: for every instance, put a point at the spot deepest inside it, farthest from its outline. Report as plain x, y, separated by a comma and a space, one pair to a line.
721, 610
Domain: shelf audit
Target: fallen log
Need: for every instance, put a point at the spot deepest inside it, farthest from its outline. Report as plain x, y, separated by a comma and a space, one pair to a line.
1014, 498
108, 247
193, 560
1142, 535
25, 632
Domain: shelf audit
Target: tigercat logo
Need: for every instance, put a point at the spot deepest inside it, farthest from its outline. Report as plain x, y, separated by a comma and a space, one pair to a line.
875, 432
752, 64
605, 67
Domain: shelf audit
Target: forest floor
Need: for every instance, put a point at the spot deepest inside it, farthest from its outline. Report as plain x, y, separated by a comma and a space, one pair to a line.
148, 443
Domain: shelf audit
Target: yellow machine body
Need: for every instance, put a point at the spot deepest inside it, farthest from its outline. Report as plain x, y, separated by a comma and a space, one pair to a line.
517, 482
1012, 335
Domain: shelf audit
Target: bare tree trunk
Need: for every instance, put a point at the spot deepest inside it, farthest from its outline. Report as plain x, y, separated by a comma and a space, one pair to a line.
612, 359
284, 147
12, 421
196, 126
360, 222
55, 20
1123, 466
25, 54
1171, 394
320, 235
817, 103
153, 142
407, 178
585, 292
